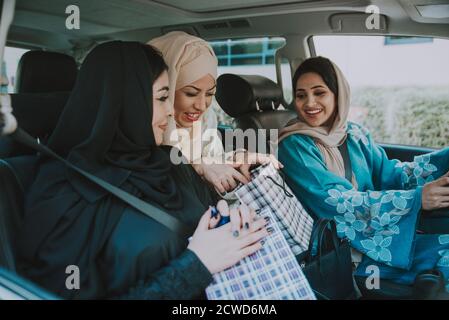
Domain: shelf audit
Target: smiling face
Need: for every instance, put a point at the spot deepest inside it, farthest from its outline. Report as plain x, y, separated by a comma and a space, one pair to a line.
192, 100
161, 107
314, 101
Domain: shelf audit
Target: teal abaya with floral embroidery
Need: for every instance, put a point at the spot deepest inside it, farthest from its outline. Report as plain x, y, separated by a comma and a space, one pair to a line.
380, 218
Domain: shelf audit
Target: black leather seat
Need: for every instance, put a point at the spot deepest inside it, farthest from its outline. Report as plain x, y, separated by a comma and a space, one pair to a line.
253, 101
43, 85
43, 82
43, 71
37, 113
16, 176
11, 202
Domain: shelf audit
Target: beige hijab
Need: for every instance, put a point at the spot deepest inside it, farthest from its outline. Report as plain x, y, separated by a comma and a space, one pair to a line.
328, 139
189, 58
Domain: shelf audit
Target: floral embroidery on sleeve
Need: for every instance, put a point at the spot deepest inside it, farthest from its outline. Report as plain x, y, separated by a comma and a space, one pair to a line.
418, 172
343, 199
398, 198
348, 225
378, 248
386, 224
443, 239
444, 260
359, 133
372, 214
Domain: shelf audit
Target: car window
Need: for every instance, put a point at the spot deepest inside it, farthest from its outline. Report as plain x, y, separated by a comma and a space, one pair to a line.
249, 56
400, 85
11, 61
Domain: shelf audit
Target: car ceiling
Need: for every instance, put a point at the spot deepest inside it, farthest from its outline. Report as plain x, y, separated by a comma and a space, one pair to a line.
41, 23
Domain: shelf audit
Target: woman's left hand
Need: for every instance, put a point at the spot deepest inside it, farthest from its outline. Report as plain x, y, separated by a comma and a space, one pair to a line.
244, 160
242, 217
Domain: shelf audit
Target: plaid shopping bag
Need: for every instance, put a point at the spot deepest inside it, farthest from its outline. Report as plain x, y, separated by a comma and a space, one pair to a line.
268, 189
271, 273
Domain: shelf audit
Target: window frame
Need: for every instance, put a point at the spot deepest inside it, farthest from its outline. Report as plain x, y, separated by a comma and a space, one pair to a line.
276, 63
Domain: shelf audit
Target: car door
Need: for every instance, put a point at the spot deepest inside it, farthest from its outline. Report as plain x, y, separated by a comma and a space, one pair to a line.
404, 152
14, 287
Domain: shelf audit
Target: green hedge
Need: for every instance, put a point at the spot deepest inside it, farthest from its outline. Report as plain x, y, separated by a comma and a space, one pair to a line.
412, 116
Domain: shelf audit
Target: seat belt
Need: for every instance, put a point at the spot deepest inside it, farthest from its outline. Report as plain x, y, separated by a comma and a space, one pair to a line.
148, 209
343, 148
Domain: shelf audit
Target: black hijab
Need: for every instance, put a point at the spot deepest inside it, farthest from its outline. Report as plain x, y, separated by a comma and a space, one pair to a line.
105, 129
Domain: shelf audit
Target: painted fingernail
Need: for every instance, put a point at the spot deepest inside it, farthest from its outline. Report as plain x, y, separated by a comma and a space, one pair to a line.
235, 233
262, 242
214, 212
270, 230
246, 225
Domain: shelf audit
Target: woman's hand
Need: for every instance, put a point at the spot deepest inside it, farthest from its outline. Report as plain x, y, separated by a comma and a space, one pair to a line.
225, 177
435, 194
244, 160
219, 249
242, 217
222, 176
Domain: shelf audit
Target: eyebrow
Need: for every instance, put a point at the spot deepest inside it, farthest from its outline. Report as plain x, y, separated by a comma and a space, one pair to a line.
164, 89
318, 86
198, 89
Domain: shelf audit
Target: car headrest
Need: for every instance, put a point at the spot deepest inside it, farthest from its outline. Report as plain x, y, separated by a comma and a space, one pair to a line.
36, 113
241, 94
42, 71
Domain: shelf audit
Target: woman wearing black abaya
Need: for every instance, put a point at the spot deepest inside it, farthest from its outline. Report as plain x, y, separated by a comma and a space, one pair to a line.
111, 127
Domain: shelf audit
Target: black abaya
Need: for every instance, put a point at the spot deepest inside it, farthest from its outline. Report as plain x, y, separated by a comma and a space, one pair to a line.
105, 129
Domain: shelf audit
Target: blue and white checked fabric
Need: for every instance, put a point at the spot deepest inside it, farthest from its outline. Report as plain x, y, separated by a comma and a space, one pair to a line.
272, 273
268, 189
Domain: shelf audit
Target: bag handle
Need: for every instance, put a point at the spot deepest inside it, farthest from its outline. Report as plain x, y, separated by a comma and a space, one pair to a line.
315, 237
282, 186
318, 235
333, 231
146, 208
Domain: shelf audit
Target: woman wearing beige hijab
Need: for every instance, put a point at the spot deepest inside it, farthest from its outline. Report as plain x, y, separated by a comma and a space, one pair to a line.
376, 204
193, 128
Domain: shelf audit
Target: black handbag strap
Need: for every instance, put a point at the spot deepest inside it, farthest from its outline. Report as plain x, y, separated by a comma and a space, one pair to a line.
146, 208
316, 237
333, 229
319, 224
347, 161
